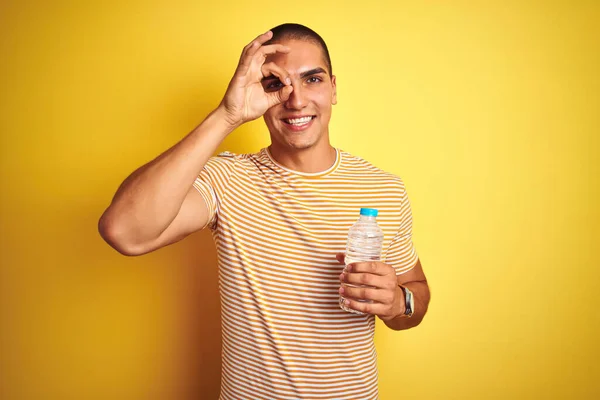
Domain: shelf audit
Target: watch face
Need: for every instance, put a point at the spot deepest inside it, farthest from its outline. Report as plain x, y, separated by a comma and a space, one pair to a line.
410, 304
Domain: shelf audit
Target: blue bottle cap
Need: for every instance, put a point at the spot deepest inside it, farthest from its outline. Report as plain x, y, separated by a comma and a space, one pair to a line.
369, 212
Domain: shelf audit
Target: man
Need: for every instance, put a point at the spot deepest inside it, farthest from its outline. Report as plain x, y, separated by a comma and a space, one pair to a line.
280, 219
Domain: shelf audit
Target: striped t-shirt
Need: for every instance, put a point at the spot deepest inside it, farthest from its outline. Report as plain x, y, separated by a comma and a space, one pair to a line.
277, 232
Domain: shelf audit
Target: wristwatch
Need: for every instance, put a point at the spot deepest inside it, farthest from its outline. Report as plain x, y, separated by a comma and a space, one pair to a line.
409, 300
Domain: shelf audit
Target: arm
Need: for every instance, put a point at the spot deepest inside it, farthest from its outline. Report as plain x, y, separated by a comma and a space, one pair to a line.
416, 282
157, 204
387, 298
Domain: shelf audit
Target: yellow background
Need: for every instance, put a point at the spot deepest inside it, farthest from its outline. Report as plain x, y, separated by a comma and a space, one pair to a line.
489, 111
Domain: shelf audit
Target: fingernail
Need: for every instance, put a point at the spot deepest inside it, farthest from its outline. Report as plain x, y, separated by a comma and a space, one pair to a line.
342, 290
288, 81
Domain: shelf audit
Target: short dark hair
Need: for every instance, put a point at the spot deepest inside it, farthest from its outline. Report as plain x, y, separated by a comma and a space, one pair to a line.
291, 31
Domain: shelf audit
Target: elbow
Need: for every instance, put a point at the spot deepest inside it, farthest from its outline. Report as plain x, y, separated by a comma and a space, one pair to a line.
115, 235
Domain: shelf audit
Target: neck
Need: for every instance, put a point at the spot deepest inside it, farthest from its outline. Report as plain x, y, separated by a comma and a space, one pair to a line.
311, 160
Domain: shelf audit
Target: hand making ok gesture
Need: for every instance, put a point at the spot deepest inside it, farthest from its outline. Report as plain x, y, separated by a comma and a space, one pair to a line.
245, 99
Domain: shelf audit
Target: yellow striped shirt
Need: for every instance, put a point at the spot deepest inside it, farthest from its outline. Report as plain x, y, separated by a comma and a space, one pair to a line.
277, 232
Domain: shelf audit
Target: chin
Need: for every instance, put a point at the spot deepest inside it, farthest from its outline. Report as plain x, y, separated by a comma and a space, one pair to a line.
299, 143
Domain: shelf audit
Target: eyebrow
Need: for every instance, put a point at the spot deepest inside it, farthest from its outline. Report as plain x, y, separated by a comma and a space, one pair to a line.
313, 71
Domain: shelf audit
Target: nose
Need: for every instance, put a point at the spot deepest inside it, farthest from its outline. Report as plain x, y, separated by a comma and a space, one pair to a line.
297, 99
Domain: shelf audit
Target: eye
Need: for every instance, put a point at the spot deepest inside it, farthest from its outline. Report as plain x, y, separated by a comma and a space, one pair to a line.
314, 79
273, 85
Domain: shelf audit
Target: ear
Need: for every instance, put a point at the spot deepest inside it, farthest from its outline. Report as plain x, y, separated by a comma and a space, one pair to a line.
334, 93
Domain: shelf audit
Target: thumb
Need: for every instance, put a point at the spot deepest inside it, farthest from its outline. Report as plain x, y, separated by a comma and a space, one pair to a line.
280, 96
341, 257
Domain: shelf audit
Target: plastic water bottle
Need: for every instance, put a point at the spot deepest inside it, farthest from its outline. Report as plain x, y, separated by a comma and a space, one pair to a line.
365, 240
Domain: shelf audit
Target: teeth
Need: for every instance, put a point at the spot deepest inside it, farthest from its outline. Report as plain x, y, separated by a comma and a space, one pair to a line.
298, 121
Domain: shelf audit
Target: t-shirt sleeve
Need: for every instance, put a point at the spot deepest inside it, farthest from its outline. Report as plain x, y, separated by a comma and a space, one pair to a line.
212, 184
401, 252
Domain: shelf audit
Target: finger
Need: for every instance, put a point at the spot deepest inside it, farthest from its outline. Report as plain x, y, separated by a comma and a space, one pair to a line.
250, 49
279, 96
372, 267
273, 69
363, 293
341, 258
256, 44
367, 279
265, 50
274, 48
283, 94
368, 308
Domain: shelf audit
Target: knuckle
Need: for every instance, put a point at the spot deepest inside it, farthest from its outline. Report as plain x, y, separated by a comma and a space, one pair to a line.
248, 47
389, 298
364, 278
373, 266
372, 293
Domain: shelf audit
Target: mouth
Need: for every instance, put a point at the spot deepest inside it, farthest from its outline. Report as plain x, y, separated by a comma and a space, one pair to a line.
299, 123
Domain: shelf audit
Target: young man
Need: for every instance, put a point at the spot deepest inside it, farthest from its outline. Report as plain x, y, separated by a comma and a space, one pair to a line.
280, 219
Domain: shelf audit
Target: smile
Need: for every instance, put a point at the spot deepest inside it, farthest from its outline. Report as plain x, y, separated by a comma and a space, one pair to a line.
299, 122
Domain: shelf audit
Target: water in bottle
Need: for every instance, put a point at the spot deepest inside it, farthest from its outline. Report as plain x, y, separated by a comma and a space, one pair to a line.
365, 240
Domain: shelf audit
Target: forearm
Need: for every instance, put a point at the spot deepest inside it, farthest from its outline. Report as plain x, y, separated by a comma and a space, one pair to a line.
150, 198
421, 295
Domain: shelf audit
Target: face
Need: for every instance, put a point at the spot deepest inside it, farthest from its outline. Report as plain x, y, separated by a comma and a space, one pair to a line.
302, 121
